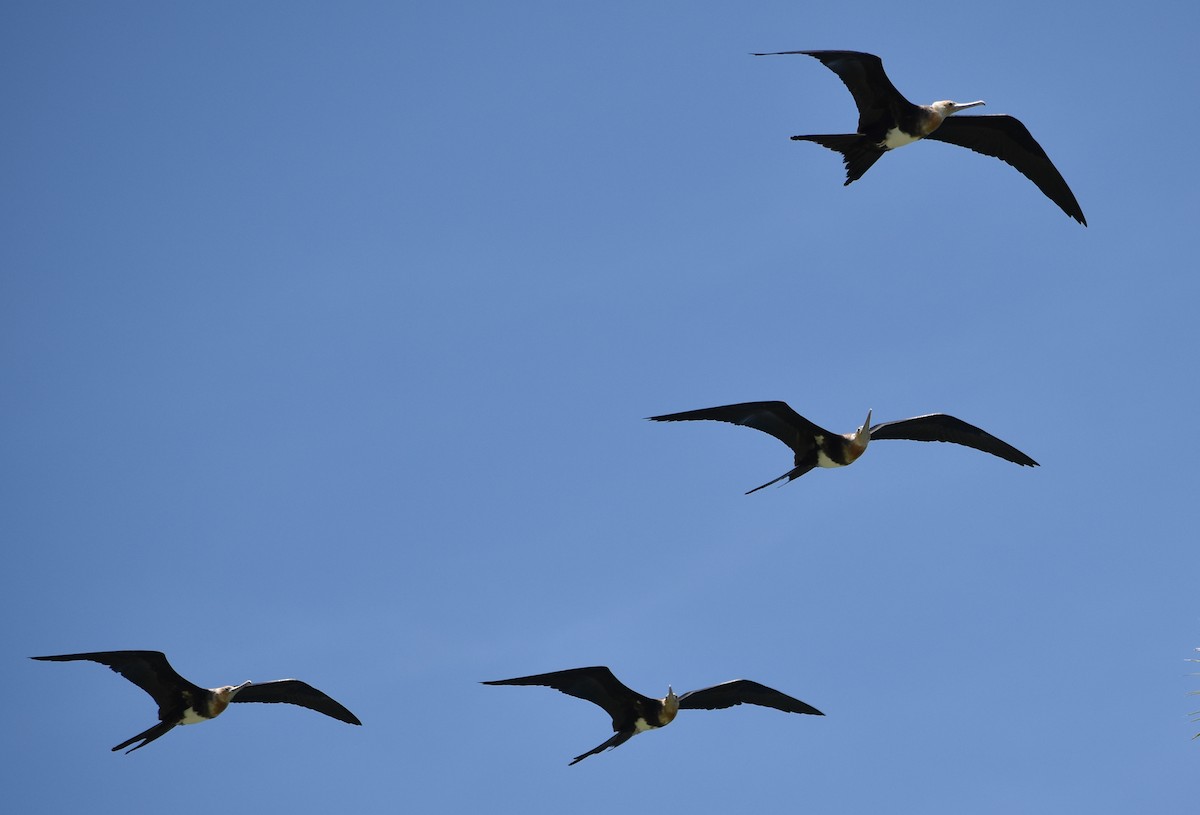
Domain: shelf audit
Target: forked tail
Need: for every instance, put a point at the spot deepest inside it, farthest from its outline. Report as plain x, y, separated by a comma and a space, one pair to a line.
858, 152
617, 740
149, 735
790, 475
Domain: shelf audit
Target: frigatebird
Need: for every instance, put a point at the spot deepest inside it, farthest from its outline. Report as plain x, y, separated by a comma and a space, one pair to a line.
816, 447
886, 120
181, 702
633, 713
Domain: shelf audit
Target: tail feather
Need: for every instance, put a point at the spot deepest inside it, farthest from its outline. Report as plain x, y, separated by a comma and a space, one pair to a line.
616, 741
149, 735
790, 475
858, 152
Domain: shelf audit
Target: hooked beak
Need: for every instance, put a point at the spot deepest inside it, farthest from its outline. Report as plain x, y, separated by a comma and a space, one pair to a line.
234, 692
964, 105
863, 436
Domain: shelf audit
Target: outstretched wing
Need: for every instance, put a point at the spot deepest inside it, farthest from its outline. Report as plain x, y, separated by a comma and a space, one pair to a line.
940, 427
597, 685
863, 75
149, 670
1005, 138
295, 692
775, 418
743, 692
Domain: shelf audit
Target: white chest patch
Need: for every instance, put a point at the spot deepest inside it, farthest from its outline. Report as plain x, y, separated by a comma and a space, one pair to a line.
191, 717
896, 138
826, 461
641, 726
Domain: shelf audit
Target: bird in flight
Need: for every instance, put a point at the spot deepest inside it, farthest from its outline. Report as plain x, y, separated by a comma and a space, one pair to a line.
886, 120
816, 447
181, 702
633, 713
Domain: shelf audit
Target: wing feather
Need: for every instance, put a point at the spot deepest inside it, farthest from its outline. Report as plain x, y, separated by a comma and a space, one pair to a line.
295, 692
149, 670
743, 691
1006, 138
596, 684
863, 75
940, 427
774, 418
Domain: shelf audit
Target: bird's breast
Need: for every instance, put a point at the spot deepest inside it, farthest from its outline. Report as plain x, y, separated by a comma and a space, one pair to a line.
190, 716
204, 708
823, 457
852, 452
640, 725
838, 451
897, 138
823, 460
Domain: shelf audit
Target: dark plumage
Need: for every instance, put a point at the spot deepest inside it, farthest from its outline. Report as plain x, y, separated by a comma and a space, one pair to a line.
815, 446
633, 713
886, 120
181, 702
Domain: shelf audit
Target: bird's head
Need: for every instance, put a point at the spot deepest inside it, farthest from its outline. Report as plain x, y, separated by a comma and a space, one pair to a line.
222, 696
948, 108
670, 705
226, 693
860, 438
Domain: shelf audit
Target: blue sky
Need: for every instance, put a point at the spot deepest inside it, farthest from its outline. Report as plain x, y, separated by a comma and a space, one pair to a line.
328, 333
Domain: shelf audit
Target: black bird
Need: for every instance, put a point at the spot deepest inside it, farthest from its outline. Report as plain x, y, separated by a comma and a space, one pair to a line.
633, 713
886, 120
181, 702
816, 447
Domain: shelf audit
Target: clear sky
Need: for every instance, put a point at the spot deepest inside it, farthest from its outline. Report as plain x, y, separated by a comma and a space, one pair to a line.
328, 333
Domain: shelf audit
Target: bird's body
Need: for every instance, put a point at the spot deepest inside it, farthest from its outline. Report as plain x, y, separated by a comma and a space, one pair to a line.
886, 120
633, 713
815, 446
181, 702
